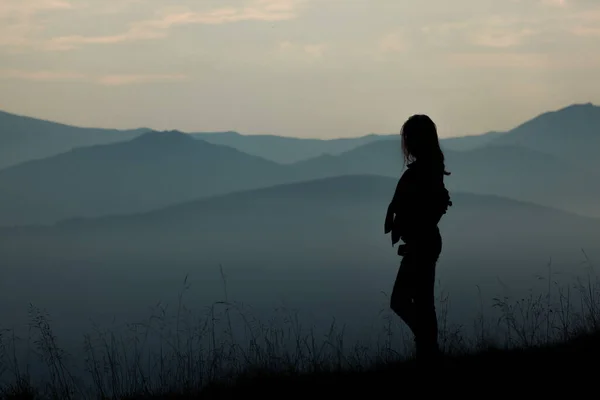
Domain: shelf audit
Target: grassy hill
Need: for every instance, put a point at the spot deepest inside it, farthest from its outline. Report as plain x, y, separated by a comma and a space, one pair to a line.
558, 351
504, 370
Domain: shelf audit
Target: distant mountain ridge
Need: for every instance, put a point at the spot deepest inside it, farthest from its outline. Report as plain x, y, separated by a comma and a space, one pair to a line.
505, 170
155, 169
152, 170
329, 209
357, 188
571, 133
284, 149
25, 138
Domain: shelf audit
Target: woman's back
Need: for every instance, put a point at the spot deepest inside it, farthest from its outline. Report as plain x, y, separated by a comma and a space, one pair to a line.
421, 198
419, 202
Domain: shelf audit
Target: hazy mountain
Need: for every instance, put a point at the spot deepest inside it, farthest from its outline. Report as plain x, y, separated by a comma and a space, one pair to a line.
283, 149
317, 247
24, 138
508, 171
287, 150
160, 169
469, 142
327, 207
150, 171
572, 133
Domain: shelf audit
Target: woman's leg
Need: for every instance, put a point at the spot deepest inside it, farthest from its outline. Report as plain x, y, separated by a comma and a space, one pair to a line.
426, 325
402, 299
426, 334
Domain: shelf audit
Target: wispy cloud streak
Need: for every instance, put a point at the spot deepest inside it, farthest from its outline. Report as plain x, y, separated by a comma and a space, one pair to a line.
104, 80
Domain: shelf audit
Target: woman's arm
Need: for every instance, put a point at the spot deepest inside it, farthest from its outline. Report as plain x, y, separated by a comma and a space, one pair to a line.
397, 204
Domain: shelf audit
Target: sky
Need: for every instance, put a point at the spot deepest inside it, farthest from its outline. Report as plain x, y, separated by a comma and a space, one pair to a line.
306, 68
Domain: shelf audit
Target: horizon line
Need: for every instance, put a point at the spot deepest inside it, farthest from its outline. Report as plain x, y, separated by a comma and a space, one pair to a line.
588, 103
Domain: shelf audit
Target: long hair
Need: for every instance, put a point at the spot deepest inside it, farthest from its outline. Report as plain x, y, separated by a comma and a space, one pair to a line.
420, 142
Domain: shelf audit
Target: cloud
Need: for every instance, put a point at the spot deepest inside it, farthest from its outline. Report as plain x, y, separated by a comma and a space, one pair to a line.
521, 61
393, 43
108, 7
104, 80
559, 3
18, 22
586, 31
120, 80
303, 51
17, 35
21, 8
21, 29
511, 29
43, 76
257, 10
315, 50
499, 60
494, 32
586, 23
501, 37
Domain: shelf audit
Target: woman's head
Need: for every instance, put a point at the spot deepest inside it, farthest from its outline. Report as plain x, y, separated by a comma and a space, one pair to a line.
420, 141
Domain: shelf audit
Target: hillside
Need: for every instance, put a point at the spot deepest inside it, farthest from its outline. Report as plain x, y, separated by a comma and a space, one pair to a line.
461, 143
508, 371
25, 138
283, 149
150, 171
510, 171
288, 150
571, 133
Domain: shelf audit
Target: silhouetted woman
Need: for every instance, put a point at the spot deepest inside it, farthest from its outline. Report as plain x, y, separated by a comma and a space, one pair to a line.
413, 215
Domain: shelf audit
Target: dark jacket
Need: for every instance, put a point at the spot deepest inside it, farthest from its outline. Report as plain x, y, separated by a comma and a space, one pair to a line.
419, 202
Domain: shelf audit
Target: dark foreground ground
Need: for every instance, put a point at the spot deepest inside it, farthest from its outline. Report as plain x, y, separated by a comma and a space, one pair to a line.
562, 370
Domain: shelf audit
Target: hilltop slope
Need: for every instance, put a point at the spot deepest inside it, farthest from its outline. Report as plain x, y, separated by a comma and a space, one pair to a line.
24, 138
150, 171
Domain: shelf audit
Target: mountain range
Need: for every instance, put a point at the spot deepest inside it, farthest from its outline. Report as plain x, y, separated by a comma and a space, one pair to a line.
504, 170
150, 171
145, 170
158, 169
571, 133
25, 138
286, 150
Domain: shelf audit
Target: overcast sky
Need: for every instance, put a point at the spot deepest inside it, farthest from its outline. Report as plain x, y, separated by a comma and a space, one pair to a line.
311, 68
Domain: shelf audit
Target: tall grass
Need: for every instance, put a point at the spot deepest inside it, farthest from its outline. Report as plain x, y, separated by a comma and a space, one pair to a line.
178, 351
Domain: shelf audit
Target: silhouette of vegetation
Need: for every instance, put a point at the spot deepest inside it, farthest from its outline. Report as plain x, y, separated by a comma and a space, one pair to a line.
204, 358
